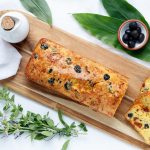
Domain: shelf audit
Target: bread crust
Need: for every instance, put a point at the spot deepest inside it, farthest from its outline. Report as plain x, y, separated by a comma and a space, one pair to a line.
139, 113
80, 79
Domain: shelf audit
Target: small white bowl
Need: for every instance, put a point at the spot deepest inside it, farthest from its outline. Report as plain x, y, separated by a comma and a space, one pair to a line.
20, 30
125, 26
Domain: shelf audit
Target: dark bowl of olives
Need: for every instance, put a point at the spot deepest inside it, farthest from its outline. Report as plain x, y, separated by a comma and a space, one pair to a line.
133, 34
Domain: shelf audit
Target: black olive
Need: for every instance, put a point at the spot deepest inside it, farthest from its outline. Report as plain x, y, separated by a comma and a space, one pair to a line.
125, 38
141, 38
36, 56
135, 34
128, 32
50, 70
133, 25
131, 38
138, 30
131, 44
130, 115
51, 81
69, 61
44, 46
106, 77
146, 126
68, 85
77, 69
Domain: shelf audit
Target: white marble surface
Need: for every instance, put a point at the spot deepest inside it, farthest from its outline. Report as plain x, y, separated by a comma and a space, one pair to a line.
95, 139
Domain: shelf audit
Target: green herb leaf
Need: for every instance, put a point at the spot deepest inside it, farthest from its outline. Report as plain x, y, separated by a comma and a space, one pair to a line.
61, 119
73, 125
65, 145
38, 117
1, 114
83, 127
39, 8
33, 136
50, 122
123, 10
105, 29
6, 107
47, 133
40, 137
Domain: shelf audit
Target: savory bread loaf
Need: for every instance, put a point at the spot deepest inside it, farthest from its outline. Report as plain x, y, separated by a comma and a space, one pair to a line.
139, 117
139, 114
80, 79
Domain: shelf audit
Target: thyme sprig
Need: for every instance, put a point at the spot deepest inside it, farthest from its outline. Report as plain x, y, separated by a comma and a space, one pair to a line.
13, 120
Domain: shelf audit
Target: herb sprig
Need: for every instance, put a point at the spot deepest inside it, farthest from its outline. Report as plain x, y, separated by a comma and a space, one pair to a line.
13, 120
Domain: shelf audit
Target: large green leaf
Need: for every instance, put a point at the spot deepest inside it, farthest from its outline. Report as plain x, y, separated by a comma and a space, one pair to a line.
105, 29
123, 10
39, 8
143, 54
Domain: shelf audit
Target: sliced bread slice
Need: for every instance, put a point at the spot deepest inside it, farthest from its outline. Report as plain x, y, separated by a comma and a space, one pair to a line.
139, 116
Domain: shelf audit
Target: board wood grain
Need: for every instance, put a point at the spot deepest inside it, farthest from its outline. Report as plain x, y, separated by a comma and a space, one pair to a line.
136, 73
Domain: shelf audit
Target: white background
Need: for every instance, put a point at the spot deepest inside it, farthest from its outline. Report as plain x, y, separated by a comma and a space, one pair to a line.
95, 139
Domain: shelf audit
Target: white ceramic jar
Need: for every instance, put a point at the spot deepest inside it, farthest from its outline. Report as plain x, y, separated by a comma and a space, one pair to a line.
20, 30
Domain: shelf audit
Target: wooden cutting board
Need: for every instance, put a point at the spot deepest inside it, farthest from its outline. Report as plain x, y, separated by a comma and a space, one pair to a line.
136, 73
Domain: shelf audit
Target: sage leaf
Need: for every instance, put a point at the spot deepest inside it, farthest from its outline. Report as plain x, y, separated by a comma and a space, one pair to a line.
39, 137
33, 135
38, 117
47, 133
65, 145
106, 29
39, 8
123, 10
50, 122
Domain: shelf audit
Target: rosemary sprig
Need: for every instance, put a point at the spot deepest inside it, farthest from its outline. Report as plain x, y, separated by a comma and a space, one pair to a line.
14, 121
